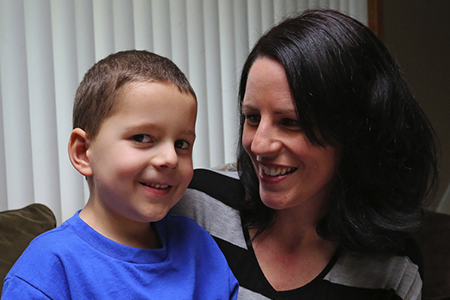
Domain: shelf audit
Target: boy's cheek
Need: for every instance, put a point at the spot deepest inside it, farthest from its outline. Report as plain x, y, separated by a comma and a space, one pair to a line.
186, 169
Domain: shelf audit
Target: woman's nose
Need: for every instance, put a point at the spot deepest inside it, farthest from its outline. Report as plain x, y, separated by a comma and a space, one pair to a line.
265, 140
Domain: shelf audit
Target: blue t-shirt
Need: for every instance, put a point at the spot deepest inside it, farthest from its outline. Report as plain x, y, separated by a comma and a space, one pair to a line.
74, 261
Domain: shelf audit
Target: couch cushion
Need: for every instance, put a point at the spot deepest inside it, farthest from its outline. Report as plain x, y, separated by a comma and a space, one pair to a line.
17, 229
434, 242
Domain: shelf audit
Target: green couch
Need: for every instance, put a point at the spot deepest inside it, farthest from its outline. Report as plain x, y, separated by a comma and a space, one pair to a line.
434, 242
17, 229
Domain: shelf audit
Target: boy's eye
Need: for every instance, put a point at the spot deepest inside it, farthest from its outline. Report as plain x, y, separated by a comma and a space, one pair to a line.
142, 138
181, 144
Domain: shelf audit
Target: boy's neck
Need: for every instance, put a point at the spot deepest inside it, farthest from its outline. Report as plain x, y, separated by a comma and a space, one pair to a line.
125, 232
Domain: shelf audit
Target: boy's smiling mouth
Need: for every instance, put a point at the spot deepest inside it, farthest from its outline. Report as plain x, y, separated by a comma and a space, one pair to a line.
156, 185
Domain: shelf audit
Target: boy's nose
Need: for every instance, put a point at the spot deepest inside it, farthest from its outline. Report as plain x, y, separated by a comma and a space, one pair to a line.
167, 157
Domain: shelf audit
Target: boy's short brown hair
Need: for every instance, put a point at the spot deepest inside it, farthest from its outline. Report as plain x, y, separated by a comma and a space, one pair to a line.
96, 94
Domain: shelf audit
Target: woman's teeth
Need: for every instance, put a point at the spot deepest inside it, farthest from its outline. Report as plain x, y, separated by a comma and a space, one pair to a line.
277, 171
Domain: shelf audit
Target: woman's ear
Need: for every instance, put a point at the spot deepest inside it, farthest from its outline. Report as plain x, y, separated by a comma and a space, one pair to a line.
78, 146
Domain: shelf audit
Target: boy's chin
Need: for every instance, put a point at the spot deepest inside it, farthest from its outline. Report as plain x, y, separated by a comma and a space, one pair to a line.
157, 215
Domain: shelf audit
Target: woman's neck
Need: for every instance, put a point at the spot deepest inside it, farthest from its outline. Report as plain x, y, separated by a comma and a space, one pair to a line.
290, 252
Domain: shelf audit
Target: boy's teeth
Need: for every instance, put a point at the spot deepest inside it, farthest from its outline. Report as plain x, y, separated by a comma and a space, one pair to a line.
276, 171
158, 186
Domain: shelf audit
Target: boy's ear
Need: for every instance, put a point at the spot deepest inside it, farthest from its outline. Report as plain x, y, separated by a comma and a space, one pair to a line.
78, 146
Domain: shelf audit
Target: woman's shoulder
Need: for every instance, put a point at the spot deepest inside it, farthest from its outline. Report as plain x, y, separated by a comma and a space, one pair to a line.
222, 185
211, 200
386, 272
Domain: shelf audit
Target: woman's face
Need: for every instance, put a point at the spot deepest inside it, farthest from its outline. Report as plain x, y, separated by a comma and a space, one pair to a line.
292, 172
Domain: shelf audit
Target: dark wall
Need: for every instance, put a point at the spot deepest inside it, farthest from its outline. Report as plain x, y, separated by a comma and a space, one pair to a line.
417, 32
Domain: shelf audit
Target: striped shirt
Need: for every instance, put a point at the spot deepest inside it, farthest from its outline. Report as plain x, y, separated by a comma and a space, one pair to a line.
211, 200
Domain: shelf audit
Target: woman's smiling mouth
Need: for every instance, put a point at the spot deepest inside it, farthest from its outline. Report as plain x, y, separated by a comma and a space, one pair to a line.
276, 171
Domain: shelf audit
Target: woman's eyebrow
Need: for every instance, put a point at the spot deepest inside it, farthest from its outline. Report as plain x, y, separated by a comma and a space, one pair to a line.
280, 111
284, 111
248, 107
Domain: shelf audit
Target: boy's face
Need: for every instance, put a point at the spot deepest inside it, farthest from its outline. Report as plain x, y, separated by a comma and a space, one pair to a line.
141, 159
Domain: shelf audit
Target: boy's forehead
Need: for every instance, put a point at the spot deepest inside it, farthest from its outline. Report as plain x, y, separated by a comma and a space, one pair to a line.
129, 88
137, 83
137, 110
154, 93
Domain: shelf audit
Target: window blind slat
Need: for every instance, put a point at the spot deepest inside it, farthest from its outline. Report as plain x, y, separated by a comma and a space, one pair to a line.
358, 9
42, 103
213, 84
15, 105
161, 27
229, 89
143, 26
85, 41
66, 82
197, 76
241, 36
267, 15
3, 188
103, 22
123, 21
254, 21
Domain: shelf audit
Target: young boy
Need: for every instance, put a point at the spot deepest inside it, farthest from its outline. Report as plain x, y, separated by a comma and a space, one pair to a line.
134, 128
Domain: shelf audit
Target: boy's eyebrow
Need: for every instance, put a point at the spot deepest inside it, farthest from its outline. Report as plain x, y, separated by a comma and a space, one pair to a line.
190, 132
156, 126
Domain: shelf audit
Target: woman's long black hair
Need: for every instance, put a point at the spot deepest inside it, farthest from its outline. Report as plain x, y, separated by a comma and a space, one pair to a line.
347, 87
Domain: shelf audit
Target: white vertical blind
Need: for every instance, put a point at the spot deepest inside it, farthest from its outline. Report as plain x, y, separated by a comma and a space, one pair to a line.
194, 57
85, 42
143, 26
123, 25
254, 21
228, 78
185, 21
66, 80
3, 192
15, 106
161, 27
444, 205
103, 25
46, 46
42, 104
213, 84
267, 13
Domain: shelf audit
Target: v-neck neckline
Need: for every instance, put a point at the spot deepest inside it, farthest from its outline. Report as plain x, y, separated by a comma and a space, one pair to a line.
297, 291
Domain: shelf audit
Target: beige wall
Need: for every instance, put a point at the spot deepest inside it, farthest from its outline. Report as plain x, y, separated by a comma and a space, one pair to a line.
417, 32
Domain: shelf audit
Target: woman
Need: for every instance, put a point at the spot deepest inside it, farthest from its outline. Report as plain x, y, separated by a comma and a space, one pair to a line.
335, 157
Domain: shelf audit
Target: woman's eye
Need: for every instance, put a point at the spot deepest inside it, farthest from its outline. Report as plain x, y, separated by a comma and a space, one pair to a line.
252, 119
181, 144
291, 123
142, 138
